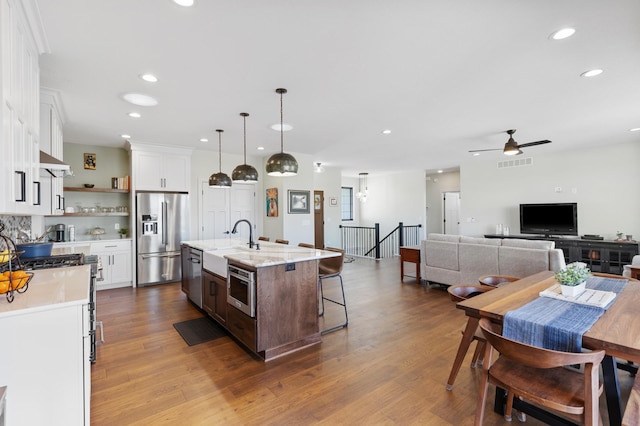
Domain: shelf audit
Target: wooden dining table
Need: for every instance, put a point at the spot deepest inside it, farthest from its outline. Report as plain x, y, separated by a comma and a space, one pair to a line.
617, 331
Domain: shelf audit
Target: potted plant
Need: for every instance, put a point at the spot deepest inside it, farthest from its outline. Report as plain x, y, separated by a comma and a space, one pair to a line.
123, 232
573, 279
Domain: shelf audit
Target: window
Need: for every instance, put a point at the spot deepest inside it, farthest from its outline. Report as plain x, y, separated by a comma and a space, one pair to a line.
347, 203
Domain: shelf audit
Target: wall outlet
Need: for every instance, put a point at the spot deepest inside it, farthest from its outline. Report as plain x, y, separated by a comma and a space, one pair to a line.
117, 226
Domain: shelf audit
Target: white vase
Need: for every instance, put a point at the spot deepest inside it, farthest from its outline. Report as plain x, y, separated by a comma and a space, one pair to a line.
573, 290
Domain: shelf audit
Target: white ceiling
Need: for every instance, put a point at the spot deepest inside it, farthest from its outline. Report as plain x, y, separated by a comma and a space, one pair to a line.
445, 76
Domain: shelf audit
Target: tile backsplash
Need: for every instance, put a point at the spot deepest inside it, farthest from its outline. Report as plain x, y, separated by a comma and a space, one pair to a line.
14, 224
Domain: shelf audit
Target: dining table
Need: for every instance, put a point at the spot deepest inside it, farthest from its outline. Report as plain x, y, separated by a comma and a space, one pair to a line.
617, 332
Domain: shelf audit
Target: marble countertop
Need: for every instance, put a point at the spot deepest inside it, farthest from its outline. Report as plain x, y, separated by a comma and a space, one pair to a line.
269, 254
50, 289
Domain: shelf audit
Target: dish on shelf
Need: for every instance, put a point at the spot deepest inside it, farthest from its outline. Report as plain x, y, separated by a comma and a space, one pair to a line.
89, 185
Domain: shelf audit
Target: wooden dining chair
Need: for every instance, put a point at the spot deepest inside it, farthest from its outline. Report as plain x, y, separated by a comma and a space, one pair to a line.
496, 280
282, 241
458, 293
539, 376
263, 238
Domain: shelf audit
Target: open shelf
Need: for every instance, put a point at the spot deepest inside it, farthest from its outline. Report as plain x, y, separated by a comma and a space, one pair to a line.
83, 189
97, 214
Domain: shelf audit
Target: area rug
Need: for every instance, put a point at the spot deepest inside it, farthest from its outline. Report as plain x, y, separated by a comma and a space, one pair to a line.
199, 330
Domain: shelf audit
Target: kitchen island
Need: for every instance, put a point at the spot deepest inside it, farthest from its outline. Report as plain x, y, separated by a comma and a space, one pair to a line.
45, 354
280, 315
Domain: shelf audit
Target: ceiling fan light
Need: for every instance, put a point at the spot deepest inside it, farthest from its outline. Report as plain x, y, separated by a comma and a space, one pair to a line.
282, 164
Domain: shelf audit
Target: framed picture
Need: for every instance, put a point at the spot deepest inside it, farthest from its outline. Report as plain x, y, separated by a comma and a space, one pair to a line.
272, 202
89, 161
299, 201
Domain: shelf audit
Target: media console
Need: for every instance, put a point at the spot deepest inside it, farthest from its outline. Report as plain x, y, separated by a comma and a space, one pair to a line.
599, 255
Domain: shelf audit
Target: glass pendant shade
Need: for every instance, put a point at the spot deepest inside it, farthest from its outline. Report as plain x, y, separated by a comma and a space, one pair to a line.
282, 164
219, 180
245, 172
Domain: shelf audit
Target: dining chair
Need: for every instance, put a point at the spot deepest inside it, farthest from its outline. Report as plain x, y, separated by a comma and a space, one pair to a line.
331, 267
263, 238
306, 245
496, 280
458, 293
282, 241
539, 376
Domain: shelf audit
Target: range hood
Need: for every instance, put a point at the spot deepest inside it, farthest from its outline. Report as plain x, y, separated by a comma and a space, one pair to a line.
51, 164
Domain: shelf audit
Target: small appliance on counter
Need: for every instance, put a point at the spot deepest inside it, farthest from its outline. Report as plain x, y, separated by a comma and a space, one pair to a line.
59, 233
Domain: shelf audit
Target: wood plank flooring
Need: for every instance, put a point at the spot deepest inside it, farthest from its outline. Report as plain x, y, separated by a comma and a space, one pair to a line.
389, 366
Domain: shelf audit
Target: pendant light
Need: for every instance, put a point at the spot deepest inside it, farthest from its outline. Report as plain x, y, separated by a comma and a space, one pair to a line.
220, 180
282, 164
245, 172
363, 189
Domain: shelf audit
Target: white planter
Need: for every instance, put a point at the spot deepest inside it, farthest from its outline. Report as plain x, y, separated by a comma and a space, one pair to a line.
573, 290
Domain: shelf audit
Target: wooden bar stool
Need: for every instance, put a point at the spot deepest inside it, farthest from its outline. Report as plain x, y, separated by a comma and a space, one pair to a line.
331, 267
458, 293
282, 241
263, 238
306, 245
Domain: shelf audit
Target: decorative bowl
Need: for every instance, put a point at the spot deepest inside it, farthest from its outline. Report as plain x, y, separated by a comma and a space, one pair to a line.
89, 185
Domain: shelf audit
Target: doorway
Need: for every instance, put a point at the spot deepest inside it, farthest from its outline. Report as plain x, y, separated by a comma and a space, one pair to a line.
318, 218
220, 208
451, 213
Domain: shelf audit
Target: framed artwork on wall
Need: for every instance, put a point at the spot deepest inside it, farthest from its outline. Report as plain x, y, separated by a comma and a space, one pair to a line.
89, 161
299, 201
272, 202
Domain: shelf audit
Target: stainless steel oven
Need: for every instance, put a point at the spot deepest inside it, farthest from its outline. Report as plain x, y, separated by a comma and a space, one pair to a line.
241, 289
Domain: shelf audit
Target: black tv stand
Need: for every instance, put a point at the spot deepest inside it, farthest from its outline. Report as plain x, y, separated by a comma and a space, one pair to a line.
604, 256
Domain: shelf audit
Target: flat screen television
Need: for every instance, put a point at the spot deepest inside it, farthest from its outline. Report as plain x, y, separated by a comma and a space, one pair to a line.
549, 219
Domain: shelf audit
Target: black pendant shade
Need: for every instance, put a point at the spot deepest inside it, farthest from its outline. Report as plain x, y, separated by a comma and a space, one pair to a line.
219, 179
245, 172
282, 164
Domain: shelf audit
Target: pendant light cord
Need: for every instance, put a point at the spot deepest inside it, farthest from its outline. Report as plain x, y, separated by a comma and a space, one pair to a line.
220, 149
281, 125
244, 117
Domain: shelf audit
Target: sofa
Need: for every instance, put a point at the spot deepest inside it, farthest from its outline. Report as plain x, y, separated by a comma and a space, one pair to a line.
457, 259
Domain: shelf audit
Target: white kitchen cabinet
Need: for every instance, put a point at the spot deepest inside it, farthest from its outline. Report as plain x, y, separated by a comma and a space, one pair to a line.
20, 45
115, 257
160, 168
51, 142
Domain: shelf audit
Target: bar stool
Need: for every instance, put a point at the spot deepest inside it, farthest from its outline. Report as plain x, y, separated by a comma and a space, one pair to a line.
458, 293
282, 241
331, 267
263, 238
306, 245
496, 280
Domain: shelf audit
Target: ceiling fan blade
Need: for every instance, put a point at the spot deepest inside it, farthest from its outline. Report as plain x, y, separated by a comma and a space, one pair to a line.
483, 150
524, 145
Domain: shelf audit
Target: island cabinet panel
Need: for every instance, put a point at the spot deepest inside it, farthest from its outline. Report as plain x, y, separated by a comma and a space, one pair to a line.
242, 326
214, 296
287, 307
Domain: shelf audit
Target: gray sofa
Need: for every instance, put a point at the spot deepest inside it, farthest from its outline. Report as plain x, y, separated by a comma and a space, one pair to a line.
457, 259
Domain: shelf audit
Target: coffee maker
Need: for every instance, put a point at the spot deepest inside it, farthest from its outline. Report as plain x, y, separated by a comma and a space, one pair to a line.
59, 233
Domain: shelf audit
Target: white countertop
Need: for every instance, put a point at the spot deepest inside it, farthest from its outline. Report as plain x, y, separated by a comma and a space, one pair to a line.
50, 289
269, 254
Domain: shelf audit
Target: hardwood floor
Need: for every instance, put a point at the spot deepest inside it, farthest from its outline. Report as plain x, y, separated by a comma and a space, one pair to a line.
389, 366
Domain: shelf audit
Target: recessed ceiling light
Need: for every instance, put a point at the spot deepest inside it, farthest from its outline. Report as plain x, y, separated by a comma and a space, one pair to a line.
125, 136
591, 73
261, 148
439, 171
563, 33
475, 154
134, 115
204, 140
149, 77
140, 99
185, 3
285, 127
386, 132
635, 129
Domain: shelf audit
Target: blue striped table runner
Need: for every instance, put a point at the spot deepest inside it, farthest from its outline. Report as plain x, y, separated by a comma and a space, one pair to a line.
556, 324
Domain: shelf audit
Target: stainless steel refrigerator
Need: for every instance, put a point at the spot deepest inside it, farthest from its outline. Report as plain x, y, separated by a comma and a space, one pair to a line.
162, 223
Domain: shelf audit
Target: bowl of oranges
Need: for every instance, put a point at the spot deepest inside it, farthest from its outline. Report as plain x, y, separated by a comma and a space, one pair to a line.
12, 281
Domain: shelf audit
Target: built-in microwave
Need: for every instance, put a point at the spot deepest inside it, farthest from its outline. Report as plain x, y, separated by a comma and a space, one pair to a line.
241, 289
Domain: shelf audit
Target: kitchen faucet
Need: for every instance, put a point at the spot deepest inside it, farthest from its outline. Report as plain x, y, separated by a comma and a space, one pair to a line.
235, 230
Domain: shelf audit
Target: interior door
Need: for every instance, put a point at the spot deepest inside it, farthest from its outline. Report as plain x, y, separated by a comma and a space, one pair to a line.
451, 213
318, 218
214, 212
243, 206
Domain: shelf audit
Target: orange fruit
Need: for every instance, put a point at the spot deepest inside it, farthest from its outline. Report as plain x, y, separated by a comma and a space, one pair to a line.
4, 286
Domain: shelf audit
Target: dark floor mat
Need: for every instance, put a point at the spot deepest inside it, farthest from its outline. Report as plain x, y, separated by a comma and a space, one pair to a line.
199, 330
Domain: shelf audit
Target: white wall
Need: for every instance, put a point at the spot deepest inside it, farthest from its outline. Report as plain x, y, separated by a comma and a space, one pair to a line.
331, 183
605, 182
394, 198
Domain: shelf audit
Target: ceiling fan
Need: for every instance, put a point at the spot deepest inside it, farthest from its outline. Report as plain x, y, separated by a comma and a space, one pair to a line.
511, 147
